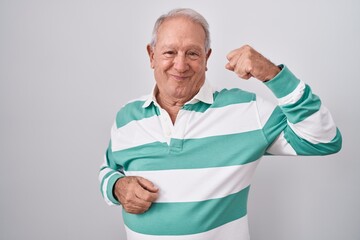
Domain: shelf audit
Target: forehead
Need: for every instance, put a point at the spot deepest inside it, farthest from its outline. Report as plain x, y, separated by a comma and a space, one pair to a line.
180, 31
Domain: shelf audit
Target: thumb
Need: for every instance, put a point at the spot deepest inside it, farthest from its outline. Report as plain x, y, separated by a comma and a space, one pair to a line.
229, 67
146, 184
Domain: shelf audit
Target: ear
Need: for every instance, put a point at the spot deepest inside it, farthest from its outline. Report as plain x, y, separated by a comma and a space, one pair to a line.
151, 55
207, 56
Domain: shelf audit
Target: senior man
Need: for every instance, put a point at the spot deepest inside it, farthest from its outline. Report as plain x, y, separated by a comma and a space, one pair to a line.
180, 161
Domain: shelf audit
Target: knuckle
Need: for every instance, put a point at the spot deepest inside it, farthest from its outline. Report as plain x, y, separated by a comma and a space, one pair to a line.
127, 199
248, 63
148, 198
239, 75
138, 178
248, 55
131, 210
127, 208
247, 47
147, 205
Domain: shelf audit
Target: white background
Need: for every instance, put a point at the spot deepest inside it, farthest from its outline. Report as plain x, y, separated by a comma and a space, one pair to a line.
66, 67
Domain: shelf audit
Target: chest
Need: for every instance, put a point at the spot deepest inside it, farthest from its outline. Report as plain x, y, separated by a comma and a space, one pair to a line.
216, 137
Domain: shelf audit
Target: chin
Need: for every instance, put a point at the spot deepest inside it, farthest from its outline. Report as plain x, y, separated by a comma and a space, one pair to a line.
179, 93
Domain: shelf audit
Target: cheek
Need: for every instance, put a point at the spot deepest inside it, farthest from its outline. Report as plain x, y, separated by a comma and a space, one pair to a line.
162, 65
199, 65
199, 68
160, 71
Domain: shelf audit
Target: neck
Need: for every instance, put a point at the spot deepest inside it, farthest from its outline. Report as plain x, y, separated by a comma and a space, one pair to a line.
171, 106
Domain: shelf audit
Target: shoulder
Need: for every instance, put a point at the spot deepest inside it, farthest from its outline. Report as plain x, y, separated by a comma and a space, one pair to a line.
132, 110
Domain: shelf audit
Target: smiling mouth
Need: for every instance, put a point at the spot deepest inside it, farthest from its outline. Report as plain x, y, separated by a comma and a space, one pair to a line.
179, 78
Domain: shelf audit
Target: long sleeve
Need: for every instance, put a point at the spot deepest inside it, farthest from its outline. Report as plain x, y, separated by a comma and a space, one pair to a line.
300, 124
110, 172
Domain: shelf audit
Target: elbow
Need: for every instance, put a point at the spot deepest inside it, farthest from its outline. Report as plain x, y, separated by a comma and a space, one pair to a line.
336, 144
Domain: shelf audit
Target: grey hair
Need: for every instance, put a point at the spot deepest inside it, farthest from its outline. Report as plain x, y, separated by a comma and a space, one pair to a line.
182, 12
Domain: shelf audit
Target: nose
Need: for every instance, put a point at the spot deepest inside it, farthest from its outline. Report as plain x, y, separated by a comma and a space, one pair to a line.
180, 63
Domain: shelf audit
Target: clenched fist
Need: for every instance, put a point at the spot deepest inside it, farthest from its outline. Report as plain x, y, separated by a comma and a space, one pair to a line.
136, 194
246, 62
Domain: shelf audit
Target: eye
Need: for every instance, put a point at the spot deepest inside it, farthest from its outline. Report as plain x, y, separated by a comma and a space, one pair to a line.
193, 55
169, 54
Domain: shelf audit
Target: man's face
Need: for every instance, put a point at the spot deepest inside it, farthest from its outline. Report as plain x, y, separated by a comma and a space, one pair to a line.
179, 59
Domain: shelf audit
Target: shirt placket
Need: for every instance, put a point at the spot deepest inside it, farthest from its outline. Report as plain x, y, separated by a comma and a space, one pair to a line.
167, 126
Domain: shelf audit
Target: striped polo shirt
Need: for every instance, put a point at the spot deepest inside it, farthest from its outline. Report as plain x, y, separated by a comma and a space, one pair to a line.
203, 163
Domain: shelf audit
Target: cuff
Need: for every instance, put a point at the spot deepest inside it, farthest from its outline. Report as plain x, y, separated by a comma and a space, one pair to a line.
283, 83
109, 189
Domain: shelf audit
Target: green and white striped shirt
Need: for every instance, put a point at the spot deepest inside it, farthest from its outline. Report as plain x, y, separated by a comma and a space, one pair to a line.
204, 163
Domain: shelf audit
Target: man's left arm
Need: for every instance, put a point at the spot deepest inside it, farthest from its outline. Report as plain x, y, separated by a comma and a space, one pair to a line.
300, 124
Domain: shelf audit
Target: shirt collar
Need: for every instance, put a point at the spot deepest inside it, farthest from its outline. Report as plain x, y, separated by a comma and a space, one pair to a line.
205, 95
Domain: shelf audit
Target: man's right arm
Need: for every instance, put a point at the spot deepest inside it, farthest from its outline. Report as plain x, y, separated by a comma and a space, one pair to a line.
135, 194
110, 173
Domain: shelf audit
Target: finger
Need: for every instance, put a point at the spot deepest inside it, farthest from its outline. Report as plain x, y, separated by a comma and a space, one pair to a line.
245, 76
125, 189
137, 208
246, 66
146, 184
235, 53
242, 70
135, 204
231, 54
233, 63
145, 195
238, 51
229, 67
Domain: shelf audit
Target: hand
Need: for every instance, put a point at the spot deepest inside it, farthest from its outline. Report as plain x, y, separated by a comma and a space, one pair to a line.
246, 62
136, 194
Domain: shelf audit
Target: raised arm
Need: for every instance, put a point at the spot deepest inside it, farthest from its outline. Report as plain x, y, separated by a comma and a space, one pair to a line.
300, 124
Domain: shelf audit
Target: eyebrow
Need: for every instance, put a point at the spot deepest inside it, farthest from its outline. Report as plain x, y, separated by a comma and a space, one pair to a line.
192, 46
